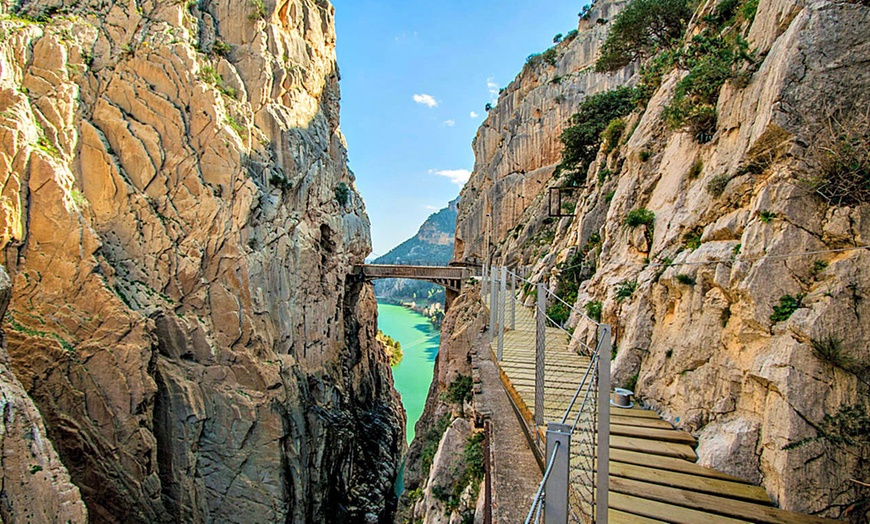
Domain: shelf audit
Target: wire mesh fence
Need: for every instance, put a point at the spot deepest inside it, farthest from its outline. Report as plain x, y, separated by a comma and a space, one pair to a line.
561, 390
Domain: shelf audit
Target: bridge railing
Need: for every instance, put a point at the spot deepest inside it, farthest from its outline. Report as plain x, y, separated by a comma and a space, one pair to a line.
571, 400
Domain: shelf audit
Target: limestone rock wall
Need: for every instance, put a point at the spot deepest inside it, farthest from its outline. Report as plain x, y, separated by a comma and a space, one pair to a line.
697, 334
178, 222
436, 458
517, 147
36, 485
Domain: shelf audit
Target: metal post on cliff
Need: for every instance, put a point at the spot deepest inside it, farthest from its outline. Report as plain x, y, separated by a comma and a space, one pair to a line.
602, 482
501, 309
540, 347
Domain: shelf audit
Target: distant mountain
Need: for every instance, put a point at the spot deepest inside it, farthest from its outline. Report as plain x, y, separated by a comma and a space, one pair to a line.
431, 246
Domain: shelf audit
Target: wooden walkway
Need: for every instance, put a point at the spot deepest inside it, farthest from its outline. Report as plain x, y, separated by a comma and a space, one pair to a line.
653, 474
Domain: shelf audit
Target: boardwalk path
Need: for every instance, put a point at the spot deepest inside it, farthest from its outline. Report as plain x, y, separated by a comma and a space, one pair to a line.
653, 474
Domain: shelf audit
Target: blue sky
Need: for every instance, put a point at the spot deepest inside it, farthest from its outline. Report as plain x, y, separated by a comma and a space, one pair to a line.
415, 77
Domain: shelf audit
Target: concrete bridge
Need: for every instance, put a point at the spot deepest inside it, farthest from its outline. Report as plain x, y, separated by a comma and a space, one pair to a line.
451, 277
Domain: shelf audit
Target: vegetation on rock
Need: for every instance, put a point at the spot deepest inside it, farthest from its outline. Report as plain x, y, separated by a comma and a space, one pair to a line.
392, 347
583, 137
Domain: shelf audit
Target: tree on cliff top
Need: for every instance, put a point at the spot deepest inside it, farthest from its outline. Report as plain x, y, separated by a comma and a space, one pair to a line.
641, 29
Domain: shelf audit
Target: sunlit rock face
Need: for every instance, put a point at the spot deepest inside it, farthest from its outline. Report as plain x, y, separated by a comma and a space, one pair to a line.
179, 222
698, 336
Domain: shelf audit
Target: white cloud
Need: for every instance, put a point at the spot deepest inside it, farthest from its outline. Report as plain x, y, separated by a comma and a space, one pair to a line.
426, 100
474, 115
457, 176
449, 123
431, 208
493, 89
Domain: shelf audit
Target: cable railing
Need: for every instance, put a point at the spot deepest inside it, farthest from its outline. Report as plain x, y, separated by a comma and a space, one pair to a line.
565, 395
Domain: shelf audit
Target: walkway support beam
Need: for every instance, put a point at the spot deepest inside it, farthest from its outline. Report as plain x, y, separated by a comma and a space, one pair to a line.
602, 482
540, 348
556, 489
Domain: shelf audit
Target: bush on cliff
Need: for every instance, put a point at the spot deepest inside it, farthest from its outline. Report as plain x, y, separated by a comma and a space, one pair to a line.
642, 29
583, 138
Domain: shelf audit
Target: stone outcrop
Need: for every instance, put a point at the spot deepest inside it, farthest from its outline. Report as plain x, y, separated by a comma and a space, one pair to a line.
36, 486
179, 222
770, 399
437, 457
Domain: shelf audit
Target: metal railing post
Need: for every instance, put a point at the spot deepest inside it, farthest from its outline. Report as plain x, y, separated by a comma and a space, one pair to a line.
493, 303
513, 300
540, 347
483, 278
501, 307
602, 484
556, 489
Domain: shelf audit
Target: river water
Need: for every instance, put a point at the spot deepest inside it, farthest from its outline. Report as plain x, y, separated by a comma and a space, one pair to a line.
413, 375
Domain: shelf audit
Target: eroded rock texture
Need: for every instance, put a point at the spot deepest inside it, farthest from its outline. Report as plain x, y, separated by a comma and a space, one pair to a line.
35, 485
178, 222
768, 400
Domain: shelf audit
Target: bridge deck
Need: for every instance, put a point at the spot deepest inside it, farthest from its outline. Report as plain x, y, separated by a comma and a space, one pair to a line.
653, 474
450, 277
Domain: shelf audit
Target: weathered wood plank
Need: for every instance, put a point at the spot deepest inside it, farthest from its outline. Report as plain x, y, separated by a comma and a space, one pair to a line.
669, 464
704, 502
654, 447
667, 512
640, 421
692, 482
614, 516
663, 435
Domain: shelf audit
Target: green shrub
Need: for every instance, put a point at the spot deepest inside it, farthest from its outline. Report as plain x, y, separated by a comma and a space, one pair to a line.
280, 181
342, 194
236, 125
840, 159
259, 12
716, 186
787, 305
609, 196
625, 289
549, 56
695, 170
831, 350
640, 216
583, 137
594, 309
766, 216
221, 48
711, 60
641, 29
460, 390
559, 313
645, 155
430, 440
603, 174
818, 267
612, 133
687, 280
692, 239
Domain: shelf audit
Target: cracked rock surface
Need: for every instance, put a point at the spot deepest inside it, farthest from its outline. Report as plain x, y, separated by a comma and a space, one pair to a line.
179, 224
697, 336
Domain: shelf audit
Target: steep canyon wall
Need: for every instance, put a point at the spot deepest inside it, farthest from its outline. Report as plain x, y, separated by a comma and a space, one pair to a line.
736, 230
178, 221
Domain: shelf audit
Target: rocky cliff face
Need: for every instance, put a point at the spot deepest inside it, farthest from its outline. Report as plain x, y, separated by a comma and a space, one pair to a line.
439, 486
36, 485
740, 308
178, 222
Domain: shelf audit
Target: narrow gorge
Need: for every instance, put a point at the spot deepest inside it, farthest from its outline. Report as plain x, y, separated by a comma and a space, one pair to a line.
187, 335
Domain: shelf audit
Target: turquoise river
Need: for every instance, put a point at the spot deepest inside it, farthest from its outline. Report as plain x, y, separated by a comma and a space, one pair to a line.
420, 340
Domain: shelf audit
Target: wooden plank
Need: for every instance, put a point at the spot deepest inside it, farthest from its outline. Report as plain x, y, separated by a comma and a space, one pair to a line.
640, 421
659, 510
726, 488
654, 447
711, 503
664, 435
614, 516
634, 412
669, 464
